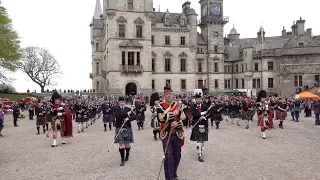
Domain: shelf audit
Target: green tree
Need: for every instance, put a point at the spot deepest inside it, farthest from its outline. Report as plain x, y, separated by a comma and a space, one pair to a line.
9, 45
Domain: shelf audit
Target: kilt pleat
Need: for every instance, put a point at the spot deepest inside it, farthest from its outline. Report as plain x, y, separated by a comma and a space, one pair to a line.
121, 139
197, 136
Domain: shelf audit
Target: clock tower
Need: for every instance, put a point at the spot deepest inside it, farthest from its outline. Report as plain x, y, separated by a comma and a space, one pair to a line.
212, 24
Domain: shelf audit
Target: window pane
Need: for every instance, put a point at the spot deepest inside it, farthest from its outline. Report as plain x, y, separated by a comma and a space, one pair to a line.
122, 30
131, 58
153, 65
138, 58
139, 31
123, 58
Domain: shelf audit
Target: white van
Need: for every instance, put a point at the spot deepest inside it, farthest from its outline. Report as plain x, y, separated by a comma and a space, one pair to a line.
194, 92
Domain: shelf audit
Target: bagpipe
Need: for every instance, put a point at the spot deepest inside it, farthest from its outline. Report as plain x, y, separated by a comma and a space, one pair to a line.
58, 112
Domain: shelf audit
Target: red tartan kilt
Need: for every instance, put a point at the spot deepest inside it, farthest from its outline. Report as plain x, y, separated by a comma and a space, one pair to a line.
261, 123
282, 115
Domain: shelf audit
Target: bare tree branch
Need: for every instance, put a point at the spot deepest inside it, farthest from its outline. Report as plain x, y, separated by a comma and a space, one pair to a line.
40, 66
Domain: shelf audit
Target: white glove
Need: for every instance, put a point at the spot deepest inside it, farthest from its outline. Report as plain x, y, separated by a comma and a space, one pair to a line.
59, 114
203, 113
60, 109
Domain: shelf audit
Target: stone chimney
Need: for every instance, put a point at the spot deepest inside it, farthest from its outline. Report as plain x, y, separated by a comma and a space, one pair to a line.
309, 32
284, 32
186, 7
300, 26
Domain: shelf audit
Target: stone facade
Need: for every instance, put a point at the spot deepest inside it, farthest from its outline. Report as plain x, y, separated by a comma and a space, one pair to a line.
138, 50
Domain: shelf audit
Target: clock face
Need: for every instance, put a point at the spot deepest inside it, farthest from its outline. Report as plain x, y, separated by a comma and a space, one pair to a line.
204, 10
215, 9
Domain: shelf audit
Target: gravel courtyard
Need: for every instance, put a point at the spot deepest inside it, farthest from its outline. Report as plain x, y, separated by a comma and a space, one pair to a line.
232, 153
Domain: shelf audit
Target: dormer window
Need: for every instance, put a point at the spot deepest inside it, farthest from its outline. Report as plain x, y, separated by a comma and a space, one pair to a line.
301, 44
167, 21
183, 22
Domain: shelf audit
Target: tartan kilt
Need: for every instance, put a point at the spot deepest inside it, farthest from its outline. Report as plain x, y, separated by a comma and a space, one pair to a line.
41, 121
92, 115
121, 139
217, 117
234, 115
225, 113
141, 118
247, 115
197, 136
282, 115
108, 118
79, 118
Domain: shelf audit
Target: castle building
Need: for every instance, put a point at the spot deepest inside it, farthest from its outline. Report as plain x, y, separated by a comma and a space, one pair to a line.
138, 50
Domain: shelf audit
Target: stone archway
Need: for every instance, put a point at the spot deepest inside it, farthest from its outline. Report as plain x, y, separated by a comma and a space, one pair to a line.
131, 89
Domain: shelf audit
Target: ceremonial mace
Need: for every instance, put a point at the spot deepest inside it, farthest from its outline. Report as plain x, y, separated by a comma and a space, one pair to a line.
165, 152
166, 148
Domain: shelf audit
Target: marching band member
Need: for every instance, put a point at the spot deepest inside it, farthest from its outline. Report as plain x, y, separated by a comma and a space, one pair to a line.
62, 117
282, 108
79, 115
140, 108
264, 113
41, 116
247, 109
108, 117
200, 125
171, 133
154, 102
216, 113
123, 133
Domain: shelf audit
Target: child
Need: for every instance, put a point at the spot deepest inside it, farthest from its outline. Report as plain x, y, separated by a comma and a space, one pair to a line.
1, 120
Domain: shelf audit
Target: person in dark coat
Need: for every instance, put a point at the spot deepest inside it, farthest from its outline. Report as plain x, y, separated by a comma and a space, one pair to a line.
200, 125
316, 108
123, 133
16, 112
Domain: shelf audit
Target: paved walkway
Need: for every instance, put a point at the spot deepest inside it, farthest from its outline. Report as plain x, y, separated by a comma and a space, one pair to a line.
232, 153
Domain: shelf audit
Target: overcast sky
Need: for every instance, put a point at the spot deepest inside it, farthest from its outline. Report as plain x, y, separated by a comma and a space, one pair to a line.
62, 26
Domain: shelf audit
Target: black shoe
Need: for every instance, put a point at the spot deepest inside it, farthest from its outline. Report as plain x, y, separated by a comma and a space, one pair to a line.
38, 133
200, 159
1, 135
127, 158
105, 130
280, 126
122, 163
155, 138
16, 126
